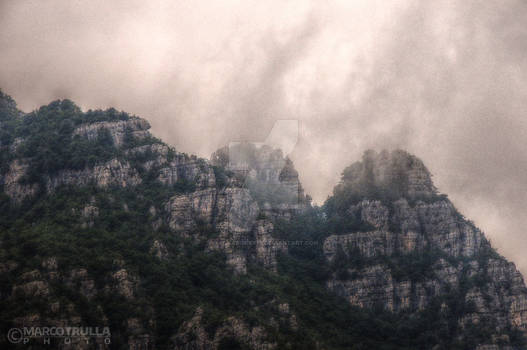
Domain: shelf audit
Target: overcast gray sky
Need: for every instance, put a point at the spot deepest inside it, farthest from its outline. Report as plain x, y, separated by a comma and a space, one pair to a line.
446, 80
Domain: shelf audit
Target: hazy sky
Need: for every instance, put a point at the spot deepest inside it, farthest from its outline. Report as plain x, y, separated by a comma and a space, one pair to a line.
446, 80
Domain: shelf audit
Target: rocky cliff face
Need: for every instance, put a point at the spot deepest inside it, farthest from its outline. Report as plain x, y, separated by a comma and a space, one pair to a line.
422, 233
229, 208
41, 284
117, 171
233, 333
242, 209
119, 130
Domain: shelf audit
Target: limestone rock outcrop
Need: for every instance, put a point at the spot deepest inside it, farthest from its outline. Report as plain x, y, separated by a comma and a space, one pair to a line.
232, 333
135, 127
416, 247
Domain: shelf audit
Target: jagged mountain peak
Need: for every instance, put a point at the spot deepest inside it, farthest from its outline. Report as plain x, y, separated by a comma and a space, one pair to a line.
393, 173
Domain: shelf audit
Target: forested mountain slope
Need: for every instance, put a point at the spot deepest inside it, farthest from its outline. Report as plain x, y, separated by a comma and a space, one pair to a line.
102, 224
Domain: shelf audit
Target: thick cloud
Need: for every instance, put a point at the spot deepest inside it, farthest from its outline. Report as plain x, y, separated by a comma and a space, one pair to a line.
446, 80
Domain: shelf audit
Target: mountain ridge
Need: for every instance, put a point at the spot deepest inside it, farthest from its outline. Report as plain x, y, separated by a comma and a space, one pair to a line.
174, 251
